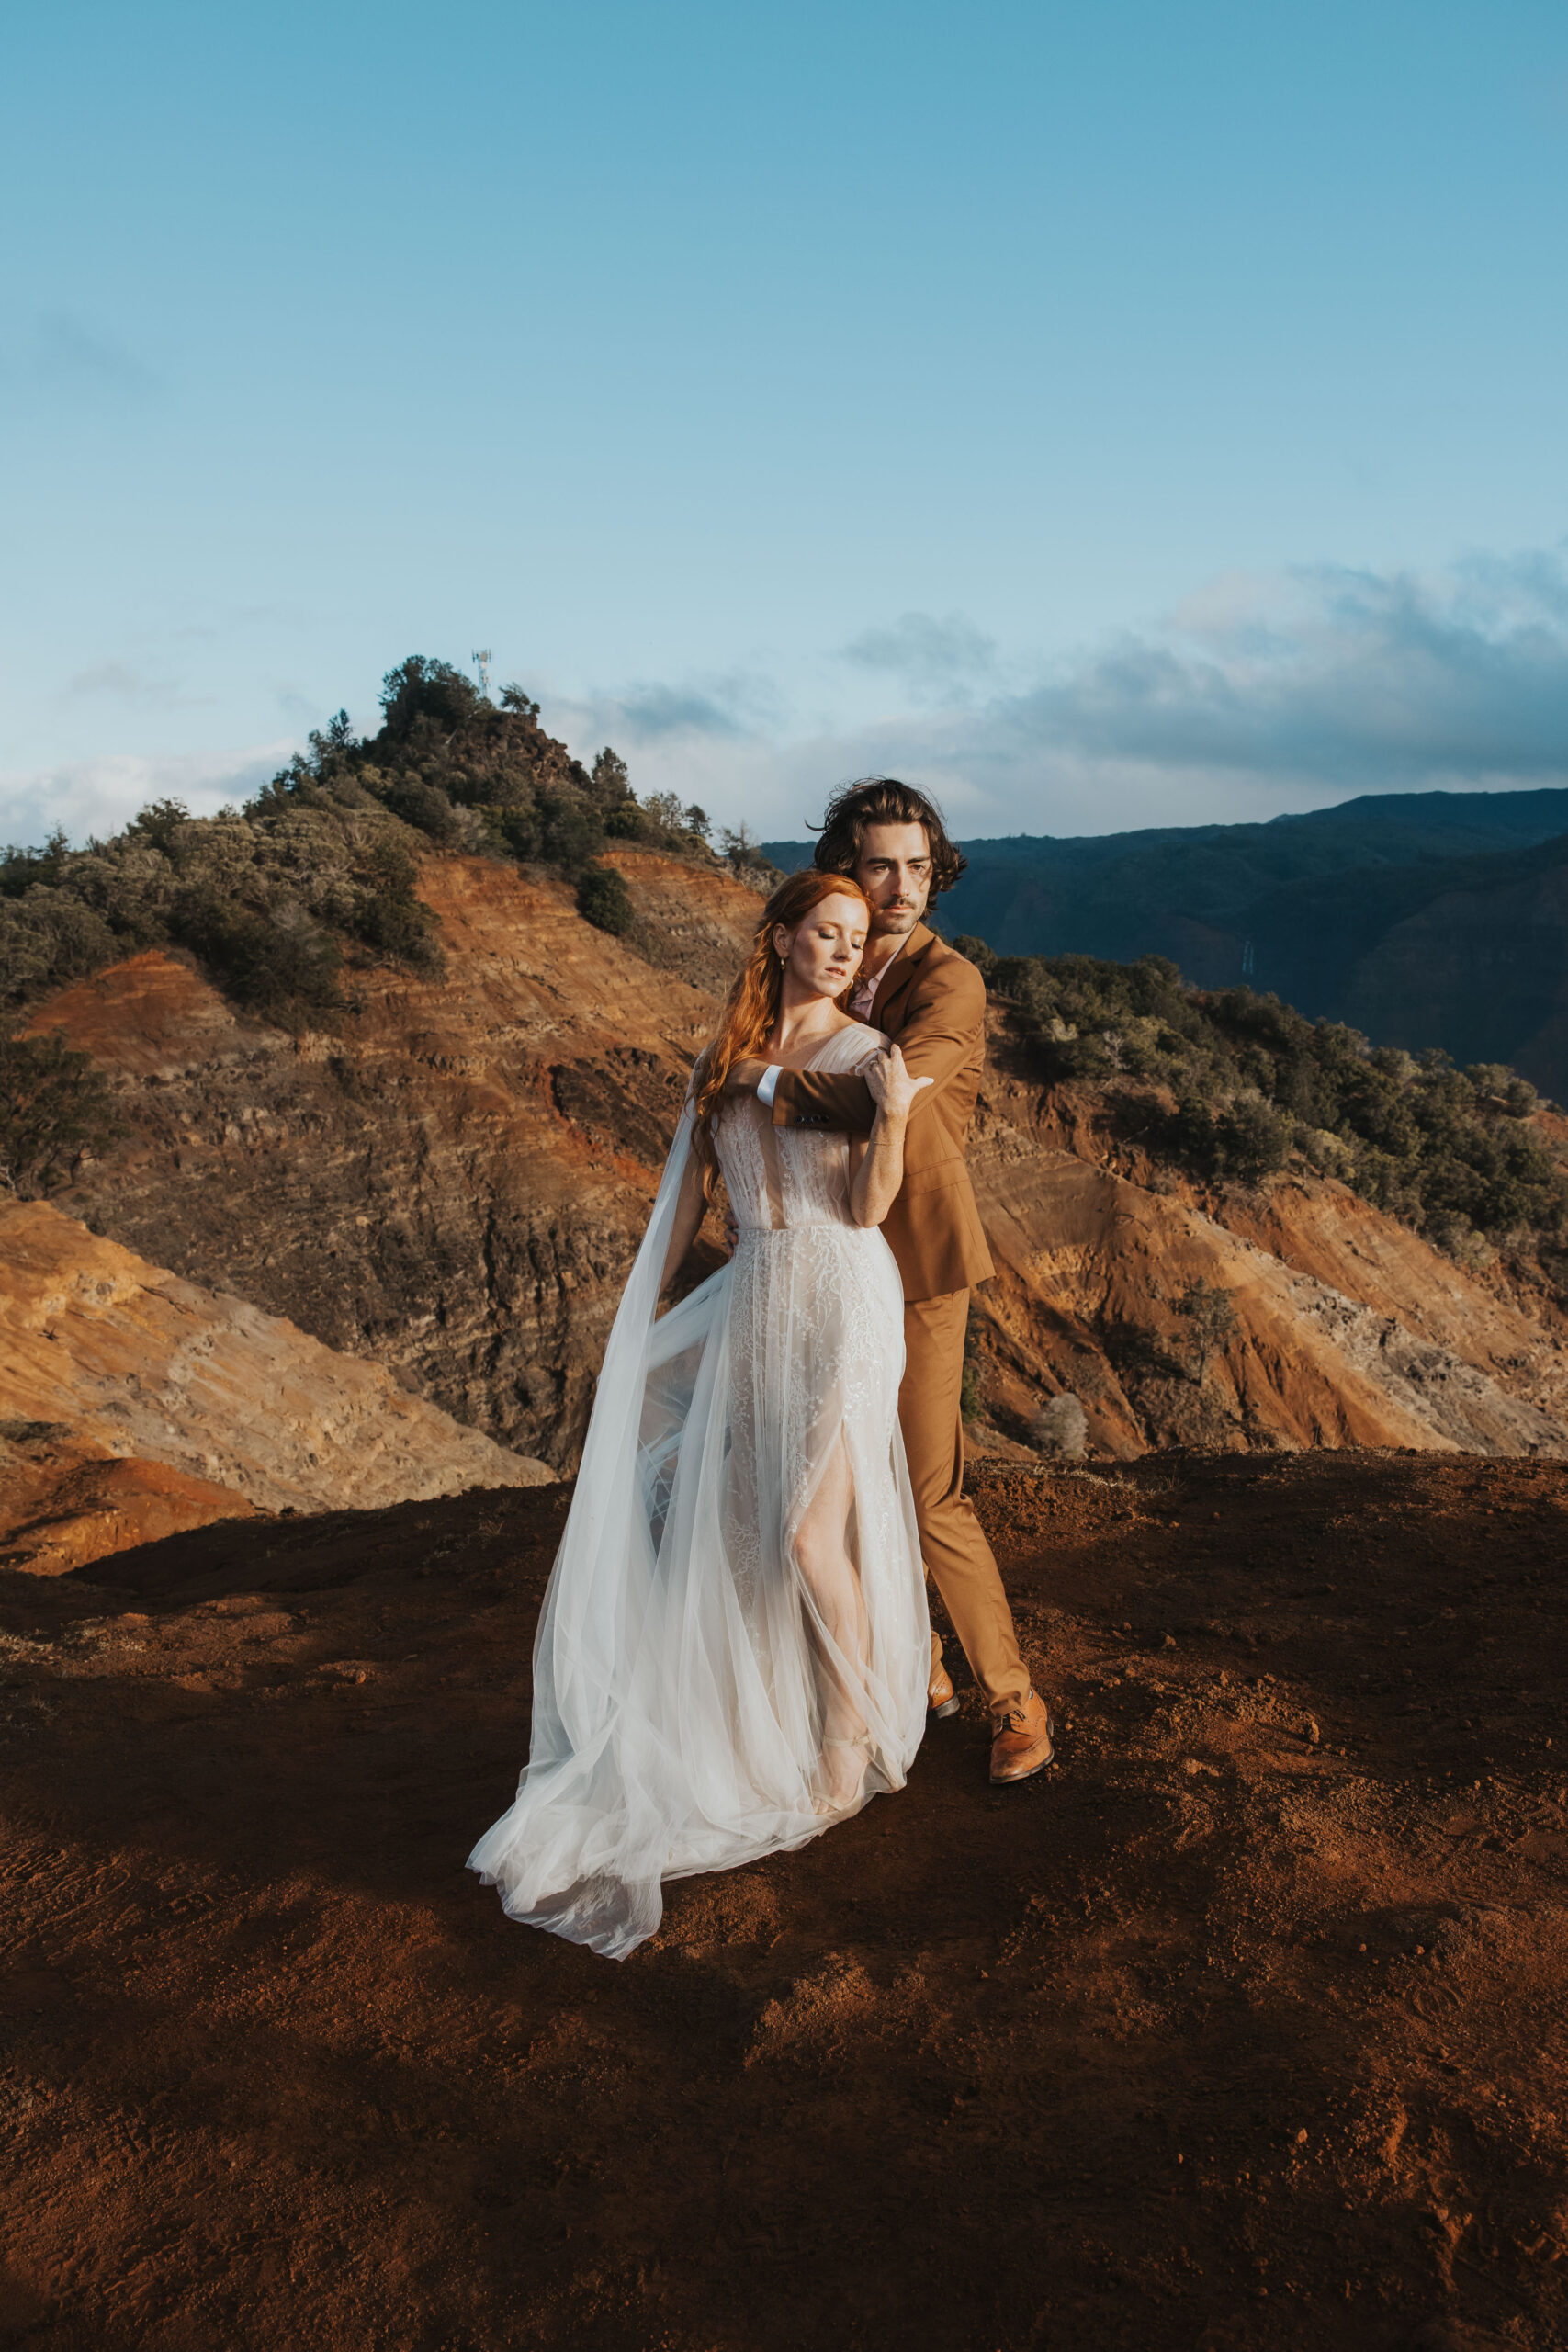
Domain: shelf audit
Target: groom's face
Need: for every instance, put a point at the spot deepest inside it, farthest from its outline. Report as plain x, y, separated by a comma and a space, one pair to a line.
895, 872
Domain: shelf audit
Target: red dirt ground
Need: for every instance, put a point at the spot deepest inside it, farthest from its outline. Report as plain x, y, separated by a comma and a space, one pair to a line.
1243, 2029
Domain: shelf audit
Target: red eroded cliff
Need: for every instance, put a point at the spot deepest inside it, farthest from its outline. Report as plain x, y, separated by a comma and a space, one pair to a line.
1351, 1329
453, 1182
134, 1403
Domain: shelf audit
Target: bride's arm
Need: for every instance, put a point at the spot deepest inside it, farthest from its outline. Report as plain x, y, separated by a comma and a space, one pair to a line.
873, 1187
690, 1205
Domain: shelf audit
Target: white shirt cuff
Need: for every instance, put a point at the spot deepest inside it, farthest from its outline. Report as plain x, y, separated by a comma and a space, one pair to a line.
767, 1084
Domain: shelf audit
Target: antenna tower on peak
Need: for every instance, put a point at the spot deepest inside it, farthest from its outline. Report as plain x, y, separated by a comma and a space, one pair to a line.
481, 662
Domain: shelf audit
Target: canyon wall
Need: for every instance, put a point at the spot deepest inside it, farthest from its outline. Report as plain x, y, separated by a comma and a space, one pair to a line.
1351, 1329
133, 1403
453, 1182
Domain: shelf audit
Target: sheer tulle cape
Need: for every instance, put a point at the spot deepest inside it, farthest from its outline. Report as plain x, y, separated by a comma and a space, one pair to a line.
680, 1662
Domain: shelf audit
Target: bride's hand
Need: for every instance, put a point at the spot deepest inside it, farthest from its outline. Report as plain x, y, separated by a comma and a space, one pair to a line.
892, 1087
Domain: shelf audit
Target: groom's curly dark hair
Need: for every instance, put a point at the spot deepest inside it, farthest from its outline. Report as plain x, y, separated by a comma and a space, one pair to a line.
883, 801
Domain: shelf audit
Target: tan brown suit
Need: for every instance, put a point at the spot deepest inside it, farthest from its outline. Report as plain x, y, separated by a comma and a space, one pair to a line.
932, 1002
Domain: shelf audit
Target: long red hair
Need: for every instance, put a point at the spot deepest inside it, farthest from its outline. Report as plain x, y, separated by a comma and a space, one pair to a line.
751, 1008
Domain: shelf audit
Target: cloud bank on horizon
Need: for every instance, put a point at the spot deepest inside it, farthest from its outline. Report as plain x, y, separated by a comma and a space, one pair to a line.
1257, 695
96, 796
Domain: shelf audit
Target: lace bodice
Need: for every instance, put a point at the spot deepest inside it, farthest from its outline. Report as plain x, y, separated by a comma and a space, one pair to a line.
782, 1177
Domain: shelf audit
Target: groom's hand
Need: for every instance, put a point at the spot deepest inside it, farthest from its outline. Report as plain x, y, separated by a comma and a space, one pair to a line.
745, 1077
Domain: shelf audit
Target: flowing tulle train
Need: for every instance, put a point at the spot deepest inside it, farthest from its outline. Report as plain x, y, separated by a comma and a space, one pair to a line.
734, 1647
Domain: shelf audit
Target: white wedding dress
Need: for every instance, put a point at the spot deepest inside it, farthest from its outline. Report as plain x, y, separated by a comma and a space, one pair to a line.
734, 1649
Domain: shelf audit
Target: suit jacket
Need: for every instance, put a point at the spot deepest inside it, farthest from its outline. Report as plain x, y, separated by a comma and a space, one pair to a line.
932, 1004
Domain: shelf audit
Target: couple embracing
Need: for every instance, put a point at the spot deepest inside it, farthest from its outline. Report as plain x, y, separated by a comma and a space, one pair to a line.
735, 1651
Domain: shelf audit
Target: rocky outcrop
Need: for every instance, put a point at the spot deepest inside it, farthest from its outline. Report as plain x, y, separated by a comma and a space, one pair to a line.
134, 1402
452, 1185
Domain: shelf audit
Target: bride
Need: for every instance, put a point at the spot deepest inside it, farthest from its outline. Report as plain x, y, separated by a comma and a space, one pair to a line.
734, 1649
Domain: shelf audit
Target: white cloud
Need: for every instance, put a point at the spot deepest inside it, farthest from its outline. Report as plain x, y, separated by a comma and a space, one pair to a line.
120, 680
99, 796
1332, 677
725, 708
1258, 694
937, 661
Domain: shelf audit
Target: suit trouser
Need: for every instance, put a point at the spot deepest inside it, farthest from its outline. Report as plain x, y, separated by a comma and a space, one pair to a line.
958, 1559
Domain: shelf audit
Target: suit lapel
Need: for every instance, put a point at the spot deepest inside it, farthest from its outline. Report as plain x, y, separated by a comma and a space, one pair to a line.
886, 1007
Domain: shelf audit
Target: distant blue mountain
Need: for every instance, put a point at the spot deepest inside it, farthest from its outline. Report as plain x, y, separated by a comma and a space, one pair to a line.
1428, 918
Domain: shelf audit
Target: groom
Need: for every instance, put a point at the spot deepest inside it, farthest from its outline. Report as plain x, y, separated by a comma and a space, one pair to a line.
933, 1001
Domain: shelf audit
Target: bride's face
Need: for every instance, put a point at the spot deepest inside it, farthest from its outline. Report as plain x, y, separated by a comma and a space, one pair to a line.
823, 952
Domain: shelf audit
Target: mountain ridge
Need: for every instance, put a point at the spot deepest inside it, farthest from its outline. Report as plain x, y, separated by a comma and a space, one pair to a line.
1424, 918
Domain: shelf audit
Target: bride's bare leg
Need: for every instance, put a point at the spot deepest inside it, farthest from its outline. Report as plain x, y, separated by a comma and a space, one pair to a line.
821, 1551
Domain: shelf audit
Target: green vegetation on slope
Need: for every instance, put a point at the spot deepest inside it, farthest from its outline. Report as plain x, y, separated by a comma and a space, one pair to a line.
1422, 918
323, 860
1246, 1083
56, 1110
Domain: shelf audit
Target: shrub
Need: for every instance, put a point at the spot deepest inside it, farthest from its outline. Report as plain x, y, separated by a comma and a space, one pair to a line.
47, 939
325, 854
1061, 1427
421, 804
1247, 1140
420, 689
603, 900
1252, 1139
571, 833
56, 1110
1252, 1081
1458, 1239
1329, 1154
397, 924
611, 781
1209, 1314
744, 856
23, 869
518, 830
261, 962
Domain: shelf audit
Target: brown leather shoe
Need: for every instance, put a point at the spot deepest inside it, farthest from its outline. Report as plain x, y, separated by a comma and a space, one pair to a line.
940, 1696
1022, 1744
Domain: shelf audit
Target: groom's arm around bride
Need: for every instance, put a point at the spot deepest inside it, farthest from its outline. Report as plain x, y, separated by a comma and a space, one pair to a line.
932, 1002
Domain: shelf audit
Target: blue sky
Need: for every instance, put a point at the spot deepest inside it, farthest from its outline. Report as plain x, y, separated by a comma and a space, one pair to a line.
1107, 415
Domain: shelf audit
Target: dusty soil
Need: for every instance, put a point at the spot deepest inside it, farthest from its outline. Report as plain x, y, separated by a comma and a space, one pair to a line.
1243, 2027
